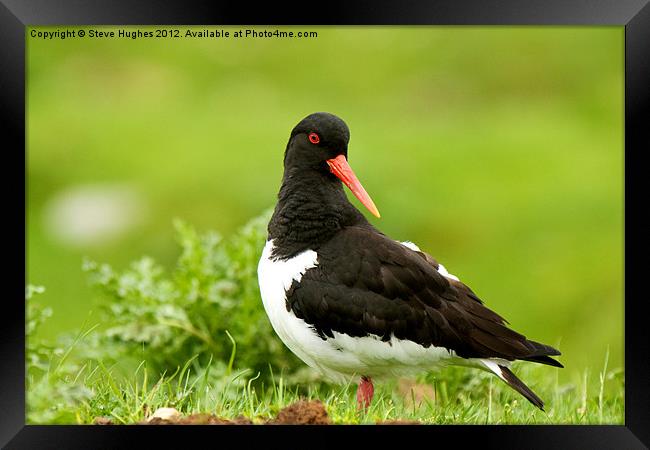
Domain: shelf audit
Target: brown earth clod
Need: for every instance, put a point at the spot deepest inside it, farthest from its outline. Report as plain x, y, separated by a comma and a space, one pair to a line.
302, 412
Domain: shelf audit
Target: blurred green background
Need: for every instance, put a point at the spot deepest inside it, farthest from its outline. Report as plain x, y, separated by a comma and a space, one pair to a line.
499, 150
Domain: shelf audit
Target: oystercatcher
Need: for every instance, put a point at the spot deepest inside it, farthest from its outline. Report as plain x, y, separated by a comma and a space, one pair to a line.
350, 301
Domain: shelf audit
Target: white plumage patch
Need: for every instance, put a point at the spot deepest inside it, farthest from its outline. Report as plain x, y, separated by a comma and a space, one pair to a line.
343, 356
275, 278
410, 245
441, 269
493, 366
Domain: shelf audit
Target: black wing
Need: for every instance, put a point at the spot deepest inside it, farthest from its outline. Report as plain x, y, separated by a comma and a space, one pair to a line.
366, 283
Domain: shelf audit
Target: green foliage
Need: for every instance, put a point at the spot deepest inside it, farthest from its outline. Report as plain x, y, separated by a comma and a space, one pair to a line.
203, 323
209, 306
53, 393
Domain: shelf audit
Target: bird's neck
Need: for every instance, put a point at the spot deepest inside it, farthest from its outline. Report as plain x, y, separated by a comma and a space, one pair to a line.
311, 209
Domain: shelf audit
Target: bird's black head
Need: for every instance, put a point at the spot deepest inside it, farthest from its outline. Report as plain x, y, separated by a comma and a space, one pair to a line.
318, 137
320, 143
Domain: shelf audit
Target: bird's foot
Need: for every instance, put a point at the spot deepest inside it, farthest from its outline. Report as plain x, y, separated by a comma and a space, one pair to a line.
365, 392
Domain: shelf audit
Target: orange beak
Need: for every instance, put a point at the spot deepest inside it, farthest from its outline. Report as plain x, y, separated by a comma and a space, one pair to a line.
339, 166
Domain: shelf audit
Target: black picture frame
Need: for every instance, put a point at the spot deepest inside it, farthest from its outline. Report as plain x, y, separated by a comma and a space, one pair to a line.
634, 15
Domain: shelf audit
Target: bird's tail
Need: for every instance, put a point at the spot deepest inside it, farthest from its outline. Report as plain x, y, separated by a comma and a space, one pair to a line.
511, 379
542, 354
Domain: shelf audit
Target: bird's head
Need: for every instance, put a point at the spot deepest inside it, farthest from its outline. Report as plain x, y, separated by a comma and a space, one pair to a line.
320, 142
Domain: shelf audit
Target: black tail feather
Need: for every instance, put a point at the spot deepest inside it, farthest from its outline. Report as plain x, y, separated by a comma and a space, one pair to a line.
542, 354
520, 387
544, 359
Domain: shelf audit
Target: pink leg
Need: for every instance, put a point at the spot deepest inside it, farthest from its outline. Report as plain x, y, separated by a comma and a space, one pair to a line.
365, 391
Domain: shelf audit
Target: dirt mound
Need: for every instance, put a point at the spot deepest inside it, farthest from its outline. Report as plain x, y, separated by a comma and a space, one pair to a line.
302, 413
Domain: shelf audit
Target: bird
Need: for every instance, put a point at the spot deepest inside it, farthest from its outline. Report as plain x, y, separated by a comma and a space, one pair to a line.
353, 303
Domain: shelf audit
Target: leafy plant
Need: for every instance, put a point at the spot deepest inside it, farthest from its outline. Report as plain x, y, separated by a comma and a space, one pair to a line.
53, 392
208, 307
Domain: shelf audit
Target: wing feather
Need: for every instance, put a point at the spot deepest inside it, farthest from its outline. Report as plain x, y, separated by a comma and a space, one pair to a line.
384, 288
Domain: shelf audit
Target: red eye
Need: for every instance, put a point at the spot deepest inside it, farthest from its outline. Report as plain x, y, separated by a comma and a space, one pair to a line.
313, 138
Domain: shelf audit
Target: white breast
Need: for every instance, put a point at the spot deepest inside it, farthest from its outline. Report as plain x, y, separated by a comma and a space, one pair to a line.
275, 278
343, 356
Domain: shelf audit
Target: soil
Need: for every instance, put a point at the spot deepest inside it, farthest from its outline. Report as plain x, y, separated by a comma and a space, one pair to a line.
302, 412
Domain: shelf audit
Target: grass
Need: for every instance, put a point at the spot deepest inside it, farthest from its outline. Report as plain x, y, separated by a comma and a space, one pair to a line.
64, 390
462, 396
